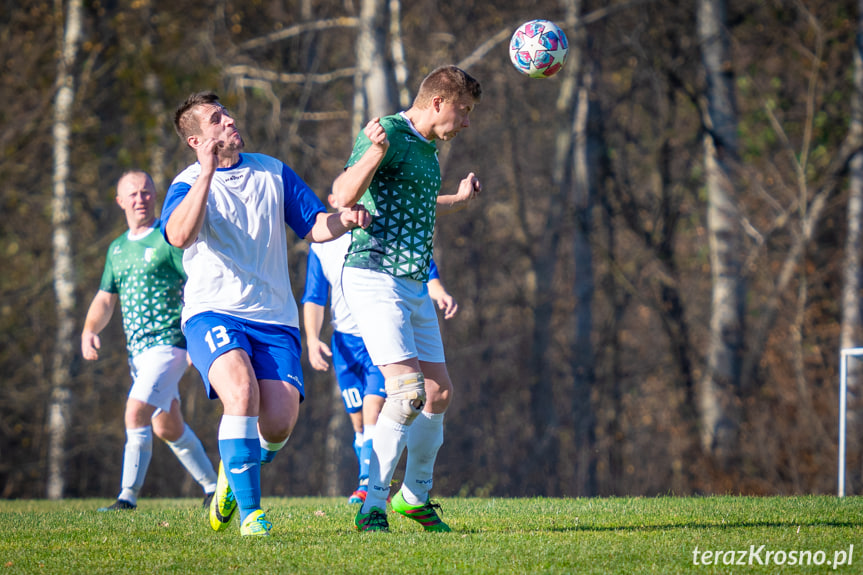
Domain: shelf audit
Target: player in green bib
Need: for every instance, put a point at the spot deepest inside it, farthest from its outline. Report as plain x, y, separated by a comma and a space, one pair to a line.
394, 173
145, 274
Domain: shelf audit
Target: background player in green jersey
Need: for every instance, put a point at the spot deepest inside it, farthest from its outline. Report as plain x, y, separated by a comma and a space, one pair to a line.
145, 274
394, 173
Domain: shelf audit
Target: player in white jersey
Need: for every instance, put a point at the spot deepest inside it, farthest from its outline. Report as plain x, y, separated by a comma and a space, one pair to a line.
228, 211
145, 275
360, 381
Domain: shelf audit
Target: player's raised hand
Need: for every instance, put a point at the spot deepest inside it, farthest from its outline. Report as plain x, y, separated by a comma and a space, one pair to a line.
469, 188
376, 134
208, 154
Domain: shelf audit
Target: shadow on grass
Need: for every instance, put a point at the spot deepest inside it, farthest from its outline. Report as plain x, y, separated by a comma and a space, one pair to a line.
668, 527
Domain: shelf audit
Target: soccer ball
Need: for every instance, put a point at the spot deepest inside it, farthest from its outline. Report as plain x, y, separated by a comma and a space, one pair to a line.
538, 49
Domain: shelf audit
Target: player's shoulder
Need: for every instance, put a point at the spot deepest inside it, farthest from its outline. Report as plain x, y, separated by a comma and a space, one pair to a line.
394, 122
188, 176
118, 242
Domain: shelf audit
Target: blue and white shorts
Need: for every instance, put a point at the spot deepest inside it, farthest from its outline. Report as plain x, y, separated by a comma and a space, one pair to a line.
273, 349
396, 316
156, 374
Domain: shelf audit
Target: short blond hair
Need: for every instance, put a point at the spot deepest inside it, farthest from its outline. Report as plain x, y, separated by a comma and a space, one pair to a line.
451, 83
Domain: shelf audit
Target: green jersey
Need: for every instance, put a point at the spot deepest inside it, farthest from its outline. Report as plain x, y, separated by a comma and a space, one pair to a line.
147, 273
402, 200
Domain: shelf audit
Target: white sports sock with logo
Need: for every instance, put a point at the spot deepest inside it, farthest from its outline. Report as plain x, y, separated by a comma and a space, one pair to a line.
190, 451
136, 460
424, 440
388, 444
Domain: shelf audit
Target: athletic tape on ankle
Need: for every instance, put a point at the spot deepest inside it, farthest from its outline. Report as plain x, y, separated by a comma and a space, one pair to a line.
406, 396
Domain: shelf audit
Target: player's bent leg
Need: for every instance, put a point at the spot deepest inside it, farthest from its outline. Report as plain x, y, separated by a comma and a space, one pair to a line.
186, 445
191, 453
278, 413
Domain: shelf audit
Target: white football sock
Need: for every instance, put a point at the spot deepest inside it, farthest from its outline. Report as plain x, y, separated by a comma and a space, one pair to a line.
424, 440
388, 444
190, 451
136, 460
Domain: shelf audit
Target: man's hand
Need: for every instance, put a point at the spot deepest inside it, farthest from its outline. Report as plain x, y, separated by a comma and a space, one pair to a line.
90, 345
448, 305
376, 134
355, 217
208, 155
318, 352
469, 188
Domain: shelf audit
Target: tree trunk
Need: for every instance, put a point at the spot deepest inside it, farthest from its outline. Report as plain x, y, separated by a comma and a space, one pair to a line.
850, 330
583, 368
373, 90
397, 48
64, 281
335, 443
718, 395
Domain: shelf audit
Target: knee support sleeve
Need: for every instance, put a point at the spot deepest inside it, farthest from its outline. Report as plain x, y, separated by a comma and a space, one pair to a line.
406, 396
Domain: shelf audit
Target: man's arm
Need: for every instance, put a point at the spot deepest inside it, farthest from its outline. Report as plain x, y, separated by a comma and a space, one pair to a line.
469, 188
184, 223
98, 315
352, 183
330, 226
313, 320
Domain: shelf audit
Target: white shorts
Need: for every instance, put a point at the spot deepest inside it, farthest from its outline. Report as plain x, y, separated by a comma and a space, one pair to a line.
396, 316
156, 373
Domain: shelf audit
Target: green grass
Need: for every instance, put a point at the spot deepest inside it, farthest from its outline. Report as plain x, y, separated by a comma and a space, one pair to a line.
316, 535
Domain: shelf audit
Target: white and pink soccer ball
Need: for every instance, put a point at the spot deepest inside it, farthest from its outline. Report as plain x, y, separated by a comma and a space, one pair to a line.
538, 49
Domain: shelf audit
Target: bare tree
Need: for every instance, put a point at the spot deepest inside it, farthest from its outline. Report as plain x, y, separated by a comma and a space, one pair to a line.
718, 393
585, 152
64, 281
373, 85
850, 332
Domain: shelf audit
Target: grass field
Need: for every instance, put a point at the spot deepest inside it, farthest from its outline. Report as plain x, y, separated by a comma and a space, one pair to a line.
315, 535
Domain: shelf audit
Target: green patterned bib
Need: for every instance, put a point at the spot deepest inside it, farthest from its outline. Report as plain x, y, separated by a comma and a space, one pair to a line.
402, 200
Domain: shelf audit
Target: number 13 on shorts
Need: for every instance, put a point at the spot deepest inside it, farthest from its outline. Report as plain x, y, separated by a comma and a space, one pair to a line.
217, 337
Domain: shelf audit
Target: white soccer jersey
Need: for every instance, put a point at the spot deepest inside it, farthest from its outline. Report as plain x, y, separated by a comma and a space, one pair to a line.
238, 265
332, 258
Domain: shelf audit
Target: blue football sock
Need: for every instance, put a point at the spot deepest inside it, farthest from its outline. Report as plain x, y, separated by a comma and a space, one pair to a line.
358, 443
269, 450
366, 452
240, 451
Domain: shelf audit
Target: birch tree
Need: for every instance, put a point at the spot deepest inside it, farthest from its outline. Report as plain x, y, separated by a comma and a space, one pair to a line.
718, 412
64, 281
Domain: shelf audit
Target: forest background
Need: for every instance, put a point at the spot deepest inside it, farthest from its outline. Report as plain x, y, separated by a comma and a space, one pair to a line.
654, 287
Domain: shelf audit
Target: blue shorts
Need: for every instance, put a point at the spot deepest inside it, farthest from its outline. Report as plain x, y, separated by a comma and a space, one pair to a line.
355, 371
273, 349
